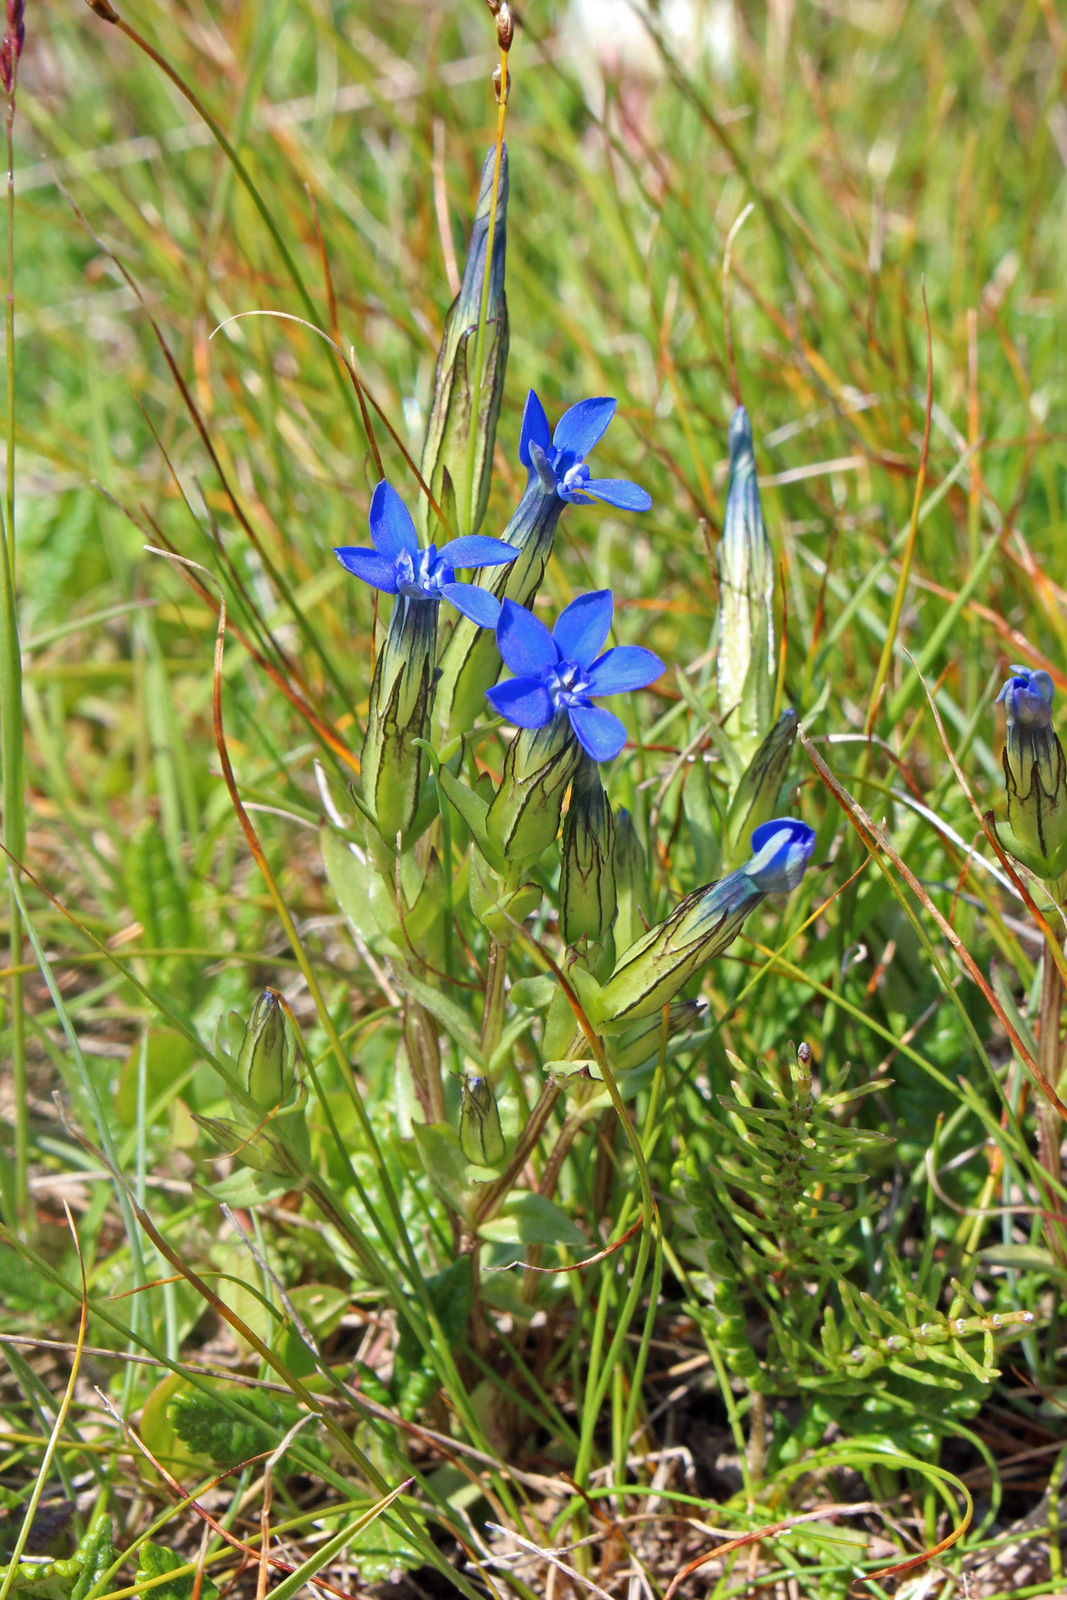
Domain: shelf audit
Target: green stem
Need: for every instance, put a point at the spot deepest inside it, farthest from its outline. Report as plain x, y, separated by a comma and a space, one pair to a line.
1049, 1123
11, 719
493, 1014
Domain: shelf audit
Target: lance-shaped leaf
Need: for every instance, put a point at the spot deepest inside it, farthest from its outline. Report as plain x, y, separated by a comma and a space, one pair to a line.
469, 378
746, 665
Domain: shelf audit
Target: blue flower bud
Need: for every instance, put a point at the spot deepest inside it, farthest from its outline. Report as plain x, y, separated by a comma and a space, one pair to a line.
651, 971
1035, 775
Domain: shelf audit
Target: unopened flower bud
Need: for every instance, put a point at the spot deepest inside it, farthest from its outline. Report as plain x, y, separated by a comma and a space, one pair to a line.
651, 972
480, 1136
268, 1053
1035, 775
631, 881
587, 868
455, 468
746, 664
757, 795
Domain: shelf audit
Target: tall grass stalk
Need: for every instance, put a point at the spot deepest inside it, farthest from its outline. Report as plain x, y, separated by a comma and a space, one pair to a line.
11, 713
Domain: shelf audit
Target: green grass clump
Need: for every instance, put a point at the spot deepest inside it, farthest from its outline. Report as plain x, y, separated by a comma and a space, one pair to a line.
808, 1297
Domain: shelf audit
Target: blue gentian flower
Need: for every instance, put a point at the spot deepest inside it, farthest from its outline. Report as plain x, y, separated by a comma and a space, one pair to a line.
1027, 698
558, 460
559, 673
397, 566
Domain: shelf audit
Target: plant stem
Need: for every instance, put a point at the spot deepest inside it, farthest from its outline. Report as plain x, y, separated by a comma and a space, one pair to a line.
493, 1014
1049, 1122
11, 720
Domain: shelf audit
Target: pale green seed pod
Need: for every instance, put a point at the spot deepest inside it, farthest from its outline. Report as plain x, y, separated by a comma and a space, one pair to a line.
480, 1135
455, 465
393, 769
746, 662
267, 1058
587, 901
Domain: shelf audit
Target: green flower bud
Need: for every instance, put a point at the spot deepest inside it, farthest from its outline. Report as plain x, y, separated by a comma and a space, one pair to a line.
587, 871
458, 452
631, 882
523, 818
268, 1053
480, 1136
1035, 776
756, 798
393, 769
746, 663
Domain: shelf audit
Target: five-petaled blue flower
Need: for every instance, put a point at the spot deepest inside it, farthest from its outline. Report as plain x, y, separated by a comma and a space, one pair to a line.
558, 460
1028, 698
398, 566
558, 673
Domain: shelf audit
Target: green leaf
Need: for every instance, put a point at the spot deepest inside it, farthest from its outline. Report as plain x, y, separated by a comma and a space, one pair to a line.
153, 1561
444, 1163
532, 1219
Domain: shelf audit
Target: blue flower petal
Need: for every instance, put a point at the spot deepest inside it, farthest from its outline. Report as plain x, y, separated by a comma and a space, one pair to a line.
600, 733
524, 642
476, 551
582, 627
623, 669
368, 565
574, 494
1028, 698
535, 427
781, 851
524, 701
391, 529
579, 429
619, 492
478, 604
